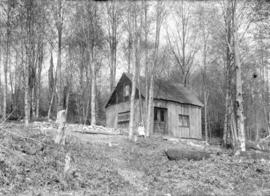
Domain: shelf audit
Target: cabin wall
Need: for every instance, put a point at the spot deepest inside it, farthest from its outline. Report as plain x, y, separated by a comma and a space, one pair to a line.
173, 110
113, 110
194, 112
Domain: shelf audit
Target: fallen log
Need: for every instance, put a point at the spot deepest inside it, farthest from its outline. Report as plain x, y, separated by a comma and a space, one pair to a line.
97, 132
171, 139
180, 154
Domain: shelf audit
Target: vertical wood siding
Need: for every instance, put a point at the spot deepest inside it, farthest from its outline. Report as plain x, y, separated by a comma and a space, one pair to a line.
174, 128
173, 110
113, 110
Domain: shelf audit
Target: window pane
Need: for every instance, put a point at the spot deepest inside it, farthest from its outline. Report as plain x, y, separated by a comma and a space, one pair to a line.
126, 91
155, 114
162, 115
183, 120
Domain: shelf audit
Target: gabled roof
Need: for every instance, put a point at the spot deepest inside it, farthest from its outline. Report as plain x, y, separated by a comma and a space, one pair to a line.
167, 90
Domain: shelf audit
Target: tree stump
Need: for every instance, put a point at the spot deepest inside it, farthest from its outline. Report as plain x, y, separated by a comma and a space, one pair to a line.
179, 154
61, 121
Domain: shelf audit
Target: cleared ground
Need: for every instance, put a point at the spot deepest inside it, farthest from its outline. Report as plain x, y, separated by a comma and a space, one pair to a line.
31, 164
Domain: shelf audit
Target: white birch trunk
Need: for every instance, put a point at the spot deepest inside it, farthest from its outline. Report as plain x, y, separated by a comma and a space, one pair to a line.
93, 91
239, 93
149, 124
159, 17
26, 96
132, 102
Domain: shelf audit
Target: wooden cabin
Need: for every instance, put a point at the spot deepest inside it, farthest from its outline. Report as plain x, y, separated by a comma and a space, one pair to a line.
177, 110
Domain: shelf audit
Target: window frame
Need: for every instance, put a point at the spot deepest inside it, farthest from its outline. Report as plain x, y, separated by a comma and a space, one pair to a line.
126, 92
125, 120
160, 112
182, 116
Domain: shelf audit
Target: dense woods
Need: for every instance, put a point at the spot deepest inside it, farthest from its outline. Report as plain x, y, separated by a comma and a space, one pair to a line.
69, 55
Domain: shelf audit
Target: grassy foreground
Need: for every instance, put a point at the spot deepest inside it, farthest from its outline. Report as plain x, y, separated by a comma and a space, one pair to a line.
31, 164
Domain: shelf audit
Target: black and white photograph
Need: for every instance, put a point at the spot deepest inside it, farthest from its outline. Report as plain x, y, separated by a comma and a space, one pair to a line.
135, 98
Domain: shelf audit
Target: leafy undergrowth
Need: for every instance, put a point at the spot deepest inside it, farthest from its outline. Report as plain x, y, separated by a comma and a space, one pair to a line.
34, 162
219, 175
112, 165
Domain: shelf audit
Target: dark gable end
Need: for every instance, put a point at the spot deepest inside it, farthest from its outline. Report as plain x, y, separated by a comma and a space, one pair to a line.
163, 90
117, 89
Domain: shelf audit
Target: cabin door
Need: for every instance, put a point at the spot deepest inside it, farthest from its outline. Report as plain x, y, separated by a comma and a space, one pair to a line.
160, 120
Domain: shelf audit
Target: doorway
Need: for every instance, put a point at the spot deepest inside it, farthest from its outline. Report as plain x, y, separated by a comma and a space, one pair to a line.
160, 120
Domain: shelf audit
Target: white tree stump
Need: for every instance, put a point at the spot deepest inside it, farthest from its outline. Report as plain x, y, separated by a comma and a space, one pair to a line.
61, 121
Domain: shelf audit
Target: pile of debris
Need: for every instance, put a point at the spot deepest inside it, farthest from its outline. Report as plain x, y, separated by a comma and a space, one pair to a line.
90, 129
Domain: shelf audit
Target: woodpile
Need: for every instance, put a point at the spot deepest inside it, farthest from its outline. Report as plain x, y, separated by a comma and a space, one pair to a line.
93, 129
86, 129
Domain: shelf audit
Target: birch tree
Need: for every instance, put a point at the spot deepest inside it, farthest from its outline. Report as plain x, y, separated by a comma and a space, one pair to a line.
114, 13
183, 42
58, 78
239, 92
92, 36
234, 94
134, 71
160, 16
146, 61
205, 42
127, 26
29, 48
8, 12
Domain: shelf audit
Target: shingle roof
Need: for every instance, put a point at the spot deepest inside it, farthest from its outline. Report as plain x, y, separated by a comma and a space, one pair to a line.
171, 91
167, 90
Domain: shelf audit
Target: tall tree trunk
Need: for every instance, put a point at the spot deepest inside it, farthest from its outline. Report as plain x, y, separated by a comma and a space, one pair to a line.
81, 104
239, 94
6, 64
227, 120
67, 102
51, 86
93, 93
132, 98
150, 119
134, 78
239, 100
50, 105
130, 38
26, 96
205, 97
1, 90
159, 18
30, 57
40, 61
138, 62
112, 10
226, 116
58, 77
33, 101
146, 70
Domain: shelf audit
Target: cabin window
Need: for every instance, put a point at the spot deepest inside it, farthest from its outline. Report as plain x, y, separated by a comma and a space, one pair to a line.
159, 114
126, 92
183, 120
123, 117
